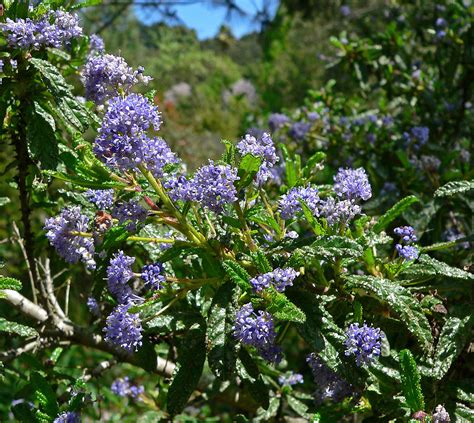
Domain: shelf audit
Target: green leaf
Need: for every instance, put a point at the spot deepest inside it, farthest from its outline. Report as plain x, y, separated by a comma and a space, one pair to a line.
428, 267
237, 274
85, 3
411, 379
4, 200
261, 261
40, 133
52, 78
191, 357
399, 299
248, 168
10, 283
44, 394
394, 212
454, 336
17, 328
299, 407
282, 308
311, 163
463, 413
330, 247
308, 214
221, 344
114, 238
229, 155
453, 188
262, 216
248, 371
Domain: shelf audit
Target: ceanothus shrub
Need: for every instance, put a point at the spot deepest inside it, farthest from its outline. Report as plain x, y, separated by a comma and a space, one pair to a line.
276, 294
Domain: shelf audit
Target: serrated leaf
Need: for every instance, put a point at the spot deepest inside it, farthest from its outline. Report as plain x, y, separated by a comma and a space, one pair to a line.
189, 366
394, 212
298, 406
308, 214
10, 283
40, 133
248, 371
261, 261
282, 308
411, 381
454, 336
400, 300
221, 344
427, 267
262, 216
248, 168
464, 414
17, 328
237, 274
44, 394
453, 188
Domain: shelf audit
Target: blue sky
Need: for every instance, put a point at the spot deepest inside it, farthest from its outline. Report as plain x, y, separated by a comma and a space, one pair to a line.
206, 19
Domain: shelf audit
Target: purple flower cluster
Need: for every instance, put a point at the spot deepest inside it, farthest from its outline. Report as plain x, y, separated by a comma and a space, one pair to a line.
262, 147
153, 276
96, 45
93, 306
257, 330
418, 136
289, 204
131, 212
53, 30
363, 342
299, 130
279, 278
440, 415
352, 184
337, 212
406, 233
102, 198
105, 76
123, 388
212, 186
330, 386
277, 121
71, 248
119, 272
408, 252
123, 330
290, 379
123, 142
68, 417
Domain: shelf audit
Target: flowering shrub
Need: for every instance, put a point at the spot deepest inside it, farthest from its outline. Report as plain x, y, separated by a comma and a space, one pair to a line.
296, 298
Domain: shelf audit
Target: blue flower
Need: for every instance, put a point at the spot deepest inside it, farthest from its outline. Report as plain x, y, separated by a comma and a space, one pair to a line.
363, 342
279, 278
131, 212
407, 252
102, 198
290, 379
119, 272
406, 233
257, 331
71, 248
352, 184
123, 388
277, 120
123, 330
289, 204
68, 417
153, 275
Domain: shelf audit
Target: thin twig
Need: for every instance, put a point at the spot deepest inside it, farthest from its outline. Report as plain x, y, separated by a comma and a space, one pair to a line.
19, 240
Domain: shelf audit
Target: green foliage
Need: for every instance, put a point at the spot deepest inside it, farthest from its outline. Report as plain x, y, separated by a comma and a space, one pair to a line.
10, 283
12, 327
411, 381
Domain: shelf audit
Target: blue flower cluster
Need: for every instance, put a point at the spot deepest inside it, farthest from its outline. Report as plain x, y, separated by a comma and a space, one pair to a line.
131, 212
123, 142
257, 330
68, 417
153, 276
71, 248
262, 147
123, 388
290, 379
93, 306
53, 30
123, 330
289, 204
352, 184
119, 273
330, 386
102, 198
105, 76
277, 121
407, 235
363, 342
96, 45
337, 212
278, 278
212, 186
417, 136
